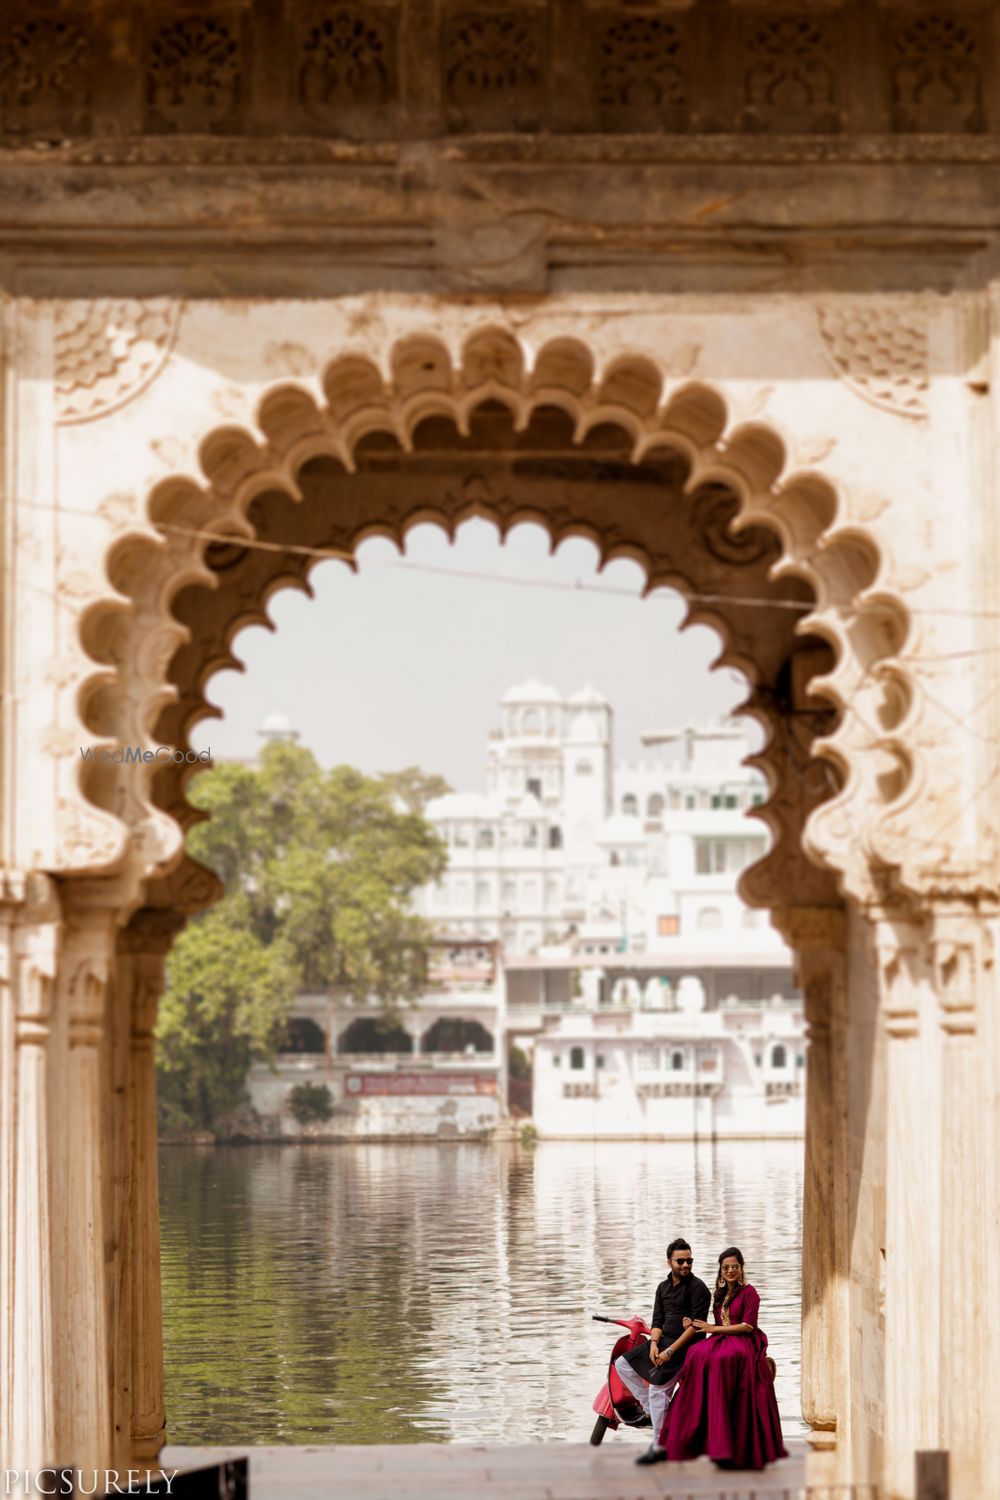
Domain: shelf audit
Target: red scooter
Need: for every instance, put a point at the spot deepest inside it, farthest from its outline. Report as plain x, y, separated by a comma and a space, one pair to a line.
615, 1403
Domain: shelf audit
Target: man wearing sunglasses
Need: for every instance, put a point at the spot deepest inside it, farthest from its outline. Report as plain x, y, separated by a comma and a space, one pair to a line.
651, 1370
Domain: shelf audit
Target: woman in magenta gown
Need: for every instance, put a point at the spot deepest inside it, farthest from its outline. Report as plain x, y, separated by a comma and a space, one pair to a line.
725, 1404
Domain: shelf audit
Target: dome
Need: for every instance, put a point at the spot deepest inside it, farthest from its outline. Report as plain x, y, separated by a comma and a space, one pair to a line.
587, 697
277, 728
532, 691
276, 723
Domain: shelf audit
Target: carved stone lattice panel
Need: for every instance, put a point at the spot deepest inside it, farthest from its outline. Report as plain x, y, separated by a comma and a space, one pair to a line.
790, 73
493, 69
194, 75
44, 77
640, 72
936, 73
346, 79
107, 352
880, 351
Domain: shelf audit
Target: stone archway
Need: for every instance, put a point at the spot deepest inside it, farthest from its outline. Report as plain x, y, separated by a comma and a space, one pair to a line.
649, 470
582, 442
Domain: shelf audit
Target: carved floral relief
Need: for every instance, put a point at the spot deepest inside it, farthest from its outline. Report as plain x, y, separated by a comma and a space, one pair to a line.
107, 352
880, 350
193, 75
44, 77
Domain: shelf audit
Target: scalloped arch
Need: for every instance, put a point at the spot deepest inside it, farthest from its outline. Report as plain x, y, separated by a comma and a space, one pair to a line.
647, 468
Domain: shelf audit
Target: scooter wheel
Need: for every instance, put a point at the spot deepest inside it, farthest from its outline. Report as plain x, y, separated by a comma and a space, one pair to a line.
600, 1428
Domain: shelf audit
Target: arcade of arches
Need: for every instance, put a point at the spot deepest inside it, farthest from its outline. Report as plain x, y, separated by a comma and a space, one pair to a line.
773, 388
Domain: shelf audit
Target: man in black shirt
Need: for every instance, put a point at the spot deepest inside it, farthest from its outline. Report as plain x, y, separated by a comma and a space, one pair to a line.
650, 1371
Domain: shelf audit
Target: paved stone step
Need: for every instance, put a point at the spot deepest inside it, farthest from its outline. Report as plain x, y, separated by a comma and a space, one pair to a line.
464, 1471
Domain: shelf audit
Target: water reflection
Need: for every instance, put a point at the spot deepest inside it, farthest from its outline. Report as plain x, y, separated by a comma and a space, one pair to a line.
412, 1293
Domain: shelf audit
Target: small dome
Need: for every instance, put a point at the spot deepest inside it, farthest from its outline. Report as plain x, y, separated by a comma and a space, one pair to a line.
532, 691
276, 723
277, 729
587, 697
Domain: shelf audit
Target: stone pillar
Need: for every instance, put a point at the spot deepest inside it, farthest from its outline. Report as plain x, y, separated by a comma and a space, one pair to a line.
29, 932
913, 1376
818, 937
83, 1251
963, 938
139, 1411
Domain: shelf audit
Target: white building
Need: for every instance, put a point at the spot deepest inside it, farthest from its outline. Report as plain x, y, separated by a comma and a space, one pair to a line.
436, 1072
735, 1072
566, 845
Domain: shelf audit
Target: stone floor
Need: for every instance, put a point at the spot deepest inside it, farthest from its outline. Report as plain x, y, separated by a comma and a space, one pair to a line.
459, 1471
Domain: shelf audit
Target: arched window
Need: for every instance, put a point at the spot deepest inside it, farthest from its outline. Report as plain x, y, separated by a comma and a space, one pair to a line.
453, 1035
555, 838
302, 1035
630, 805
531, 836
531, 723
371, 1034
709, 917
677, 1061
576, 1057
655, 806
779, 1057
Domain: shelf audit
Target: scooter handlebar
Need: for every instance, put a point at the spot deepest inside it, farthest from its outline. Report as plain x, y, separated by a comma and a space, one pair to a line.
635, 1324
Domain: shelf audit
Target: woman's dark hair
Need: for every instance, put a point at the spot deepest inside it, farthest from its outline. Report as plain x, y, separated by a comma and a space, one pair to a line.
723, 1293
676, 1245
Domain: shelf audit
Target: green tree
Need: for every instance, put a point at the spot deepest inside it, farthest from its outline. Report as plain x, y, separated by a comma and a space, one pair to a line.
415, 788
319, 868
226, 1003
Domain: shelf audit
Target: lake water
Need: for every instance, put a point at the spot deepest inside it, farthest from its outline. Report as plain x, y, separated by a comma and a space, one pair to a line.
442, 1293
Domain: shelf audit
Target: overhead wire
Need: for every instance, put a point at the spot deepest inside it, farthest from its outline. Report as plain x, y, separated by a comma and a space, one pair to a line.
340, 554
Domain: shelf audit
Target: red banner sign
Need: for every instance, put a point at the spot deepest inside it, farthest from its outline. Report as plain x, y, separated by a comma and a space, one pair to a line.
419, 1083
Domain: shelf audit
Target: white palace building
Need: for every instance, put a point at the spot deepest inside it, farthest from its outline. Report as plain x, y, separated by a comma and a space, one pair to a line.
589, 915
654, 1001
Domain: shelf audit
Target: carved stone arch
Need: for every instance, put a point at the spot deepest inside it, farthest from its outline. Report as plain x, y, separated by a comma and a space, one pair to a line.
648, 468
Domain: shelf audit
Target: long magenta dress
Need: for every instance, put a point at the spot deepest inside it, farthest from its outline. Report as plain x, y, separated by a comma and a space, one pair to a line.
725, 1404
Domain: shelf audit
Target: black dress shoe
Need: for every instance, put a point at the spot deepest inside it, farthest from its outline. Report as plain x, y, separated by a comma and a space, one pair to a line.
653, 1455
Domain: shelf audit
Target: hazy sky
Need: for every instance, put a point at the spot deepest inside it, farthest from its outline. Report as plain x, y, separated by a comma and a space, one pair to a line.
394, 666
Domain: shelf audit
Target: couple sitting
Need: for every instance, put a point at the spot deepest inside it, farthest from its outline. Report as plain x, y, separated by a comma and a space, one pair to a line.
724, 1403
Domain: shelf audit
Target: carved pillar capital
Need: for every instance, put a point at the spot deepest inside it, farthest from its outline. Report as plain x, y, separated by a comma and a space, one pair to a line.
948, 942
963, 951
901, 947
145, 943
